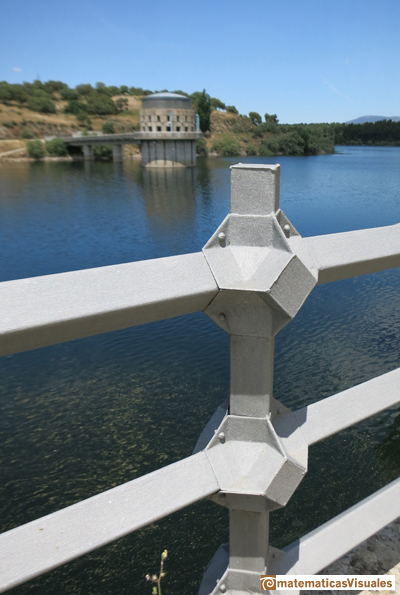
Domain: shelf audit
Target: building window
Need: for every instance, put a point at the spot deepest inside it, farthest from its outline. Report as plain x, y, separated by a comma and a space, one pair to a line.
178, 128
186, 128
149, 118
168, 128
192, 128
150, 129
158, 118
177, 118
168, 118
185, 118
158, 128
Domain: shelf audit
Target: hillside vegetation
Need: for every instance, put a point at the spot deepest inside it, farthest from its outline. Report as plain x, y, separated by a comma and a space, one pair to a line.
33, 110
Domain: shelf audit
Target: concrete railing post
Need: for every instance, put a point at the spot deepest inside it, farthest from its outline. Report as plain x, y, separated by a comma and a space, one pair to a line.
263, 282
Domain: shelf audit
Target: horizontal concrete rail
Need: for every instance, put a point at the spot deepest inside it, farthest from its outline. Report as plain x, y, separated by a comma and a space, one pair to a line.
44, 544
343, 255
329, 416
51, 309
313, 552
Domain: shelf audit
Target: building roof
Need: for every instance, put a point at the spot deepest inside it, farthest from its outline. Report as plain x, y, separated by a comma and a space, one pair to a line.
166, 101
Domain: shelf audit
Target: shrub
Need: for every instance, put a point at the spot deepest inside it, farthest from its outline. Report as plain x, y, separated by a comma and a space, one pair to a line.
35, 149
41, 104
102, 152
84, 90
75, 107
292, 144
68, 94
264, 151
26, 133
56, 147
227, 146
121, 103
54, 86
201, 147
231, 109
251, 149
108, 128
273, 147
100, 104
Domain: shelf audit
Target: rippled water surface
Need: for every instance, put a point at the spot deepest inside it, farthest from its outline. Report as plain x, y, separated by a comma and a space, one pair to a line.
82, 417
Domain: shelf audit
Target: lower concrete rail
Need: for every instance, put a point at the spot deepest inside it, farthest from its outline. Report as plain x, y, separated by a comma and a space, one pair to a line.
316, 550
334, 414
53, 540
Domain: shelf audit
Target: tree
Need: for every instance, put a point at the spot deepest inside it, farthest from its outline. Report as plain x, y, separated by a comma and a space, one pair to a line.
35, 149
54, 86
255, 118
203, 108
84, 90
123, 90
217, 104
231, 109
273, 118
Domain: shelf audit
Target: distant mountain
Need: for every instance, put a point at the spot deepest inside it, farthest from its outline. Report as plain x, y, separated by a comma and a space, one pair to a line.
364, 119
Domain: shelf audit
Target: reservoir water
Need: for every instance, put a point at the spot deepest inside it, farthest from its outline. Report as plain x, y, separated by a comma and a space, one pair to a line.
81, 417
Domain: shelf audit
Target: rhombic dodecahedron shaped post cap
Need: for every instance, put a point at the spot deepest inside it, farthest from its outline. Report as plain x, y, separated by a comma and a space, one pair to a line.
256, 251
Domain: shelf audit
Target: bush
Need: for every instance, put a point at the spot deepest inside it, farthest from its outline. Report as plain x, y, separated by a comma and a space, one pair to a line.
227, 146
231, 109
100, 104
251, 149
102, 152
292, 144
108, 128
56, 147
264, 151
273, 147
26, 133
75, 107
201, 147
68, 94
41, 104
35, 149
84, 90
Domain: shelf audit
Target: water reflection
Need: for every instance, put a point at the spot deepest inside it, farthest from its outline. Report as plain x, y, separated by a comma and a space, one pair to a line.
389, 450
169, 195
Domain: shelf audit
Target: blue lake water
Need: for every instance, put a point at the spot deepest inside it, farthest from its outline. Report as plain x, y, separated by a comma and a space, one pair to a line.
81, 417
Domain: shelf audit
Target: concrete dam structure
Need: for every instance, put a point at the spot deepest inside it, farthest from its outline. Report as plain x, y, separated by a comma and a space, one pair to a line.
168, 132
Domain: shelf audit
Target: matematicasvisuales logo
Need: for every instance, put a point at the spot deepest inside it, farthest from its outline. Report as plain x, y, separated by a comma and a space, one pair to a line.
327, 582
268, 582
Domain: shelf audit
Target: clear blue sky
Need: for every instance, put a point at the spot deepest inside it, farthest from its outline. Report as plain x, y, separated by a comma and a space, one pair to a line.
305, 60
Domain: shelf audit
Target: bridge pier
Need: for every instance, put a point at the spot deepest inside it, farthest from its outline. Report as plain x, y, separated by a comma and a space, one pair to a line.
88, 152
117, 152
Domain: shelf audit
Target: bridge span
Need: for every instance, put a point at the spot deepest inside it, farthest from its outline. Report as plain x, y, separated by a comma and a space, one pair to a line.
159, 149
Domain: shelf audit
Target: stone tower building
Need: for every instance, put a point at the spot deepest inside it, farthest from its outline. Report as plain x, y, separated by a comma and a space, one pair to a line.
168, 131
